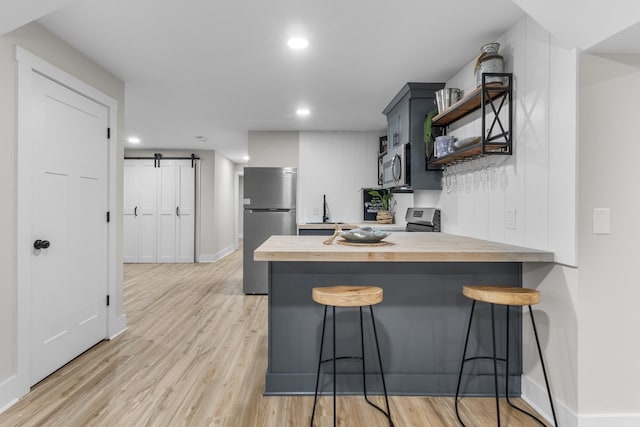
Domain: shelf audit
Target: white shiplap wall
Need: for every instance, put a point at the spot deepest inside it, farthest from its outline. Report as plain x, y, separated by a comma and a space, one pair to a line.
537, 182
338, 164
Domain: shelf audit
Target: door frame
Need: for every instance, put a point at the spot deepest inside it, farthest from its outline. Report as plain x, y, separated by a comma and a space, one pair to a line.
28, 64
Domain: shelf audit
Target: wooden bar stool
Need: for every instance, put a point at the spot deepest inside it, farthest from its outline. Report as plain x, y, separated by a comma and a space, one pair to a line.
507, 296
349, 296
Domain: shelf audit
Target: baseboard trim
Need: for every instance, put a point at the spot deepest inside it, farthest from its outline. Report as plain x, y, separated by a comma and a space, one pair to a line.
119, 326
11, 389
610, 420
217, 256
536, 396
8, 405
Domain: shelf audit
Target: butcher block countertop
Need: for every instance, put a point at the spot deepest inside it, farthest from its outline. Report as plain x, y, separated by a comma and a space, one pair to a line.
350, 226
403, 247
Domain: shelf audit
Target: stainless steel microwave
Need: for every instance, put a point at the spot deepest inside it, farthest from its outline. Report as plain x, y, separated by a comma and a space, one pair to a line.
396, 167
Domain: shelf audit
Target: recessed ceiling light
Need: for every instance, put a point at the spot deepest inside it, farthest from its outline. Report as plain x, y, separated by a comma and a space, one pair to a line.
134, 140
297, 43
302, 112
245, 158
201, 138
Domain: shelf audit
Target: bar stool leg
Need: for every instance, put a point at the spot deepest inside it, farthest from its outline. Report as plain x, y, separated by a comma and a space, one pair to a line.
384, 385
335, 386
495, 362
506, 358
364, 376
315, 397
464, 355
544, 371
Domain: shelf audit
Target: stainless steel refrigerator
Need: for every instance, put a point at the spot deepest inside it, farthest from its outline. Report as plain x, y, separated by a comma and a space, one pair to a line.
269, 209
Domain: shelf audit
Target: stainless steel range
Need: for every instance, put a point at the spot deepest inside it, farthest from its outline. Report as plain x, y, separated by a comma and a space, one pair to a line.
423, 219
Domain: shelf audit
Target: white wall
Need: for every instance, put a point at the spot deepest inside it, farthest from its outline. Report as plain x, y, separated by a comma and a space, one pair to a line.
583, 24
224, 217
273, 149
609, 292
340, 165
45, 45
545, 76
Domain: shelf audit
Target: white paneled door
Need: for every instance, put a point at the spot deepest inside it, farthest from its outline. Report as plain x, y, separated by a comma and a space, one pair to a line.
185, 218
159, 211
69, 226
167, 212
140, 211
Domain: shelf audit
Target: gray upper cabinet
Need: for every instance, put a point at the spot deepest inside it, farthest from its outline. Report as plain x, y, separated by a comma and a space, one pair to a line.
405, 119
398, 125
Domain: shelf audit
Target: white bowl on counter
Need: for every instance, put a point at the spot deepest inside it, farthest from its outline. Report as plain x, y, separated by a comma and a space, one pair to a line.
363, 235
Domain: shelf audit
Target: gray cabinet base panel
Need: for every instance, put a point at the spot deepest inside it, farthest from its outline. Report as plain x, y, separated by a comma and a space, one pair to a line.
421, 325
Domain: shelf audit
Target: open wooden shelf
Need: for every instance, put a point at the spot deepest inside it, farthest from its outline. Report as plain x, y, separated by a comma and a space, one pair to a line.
471, 102
496, 94
470, 152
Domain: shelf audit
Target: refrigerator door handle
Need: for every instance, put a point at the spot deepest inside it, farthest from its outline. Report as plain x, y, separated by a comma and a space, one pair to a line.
269, 210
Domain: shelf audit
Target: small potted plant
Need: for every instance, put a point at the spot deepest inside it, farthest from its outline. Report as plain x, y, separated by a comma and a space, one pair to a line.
384, 215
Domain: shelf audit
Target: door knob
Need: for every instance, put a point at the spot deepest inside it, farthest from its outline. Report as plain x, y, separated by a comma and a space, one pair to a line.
41, 244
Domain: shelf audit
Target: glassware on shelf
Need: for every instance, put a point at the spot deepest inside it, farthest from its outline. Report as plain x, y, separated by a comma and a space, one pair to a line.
504, 179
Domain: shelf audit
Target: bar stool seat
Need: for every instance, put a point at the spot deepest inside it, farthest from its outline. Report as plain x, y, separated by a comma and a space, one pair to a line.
502, 295
349, 296
507, 296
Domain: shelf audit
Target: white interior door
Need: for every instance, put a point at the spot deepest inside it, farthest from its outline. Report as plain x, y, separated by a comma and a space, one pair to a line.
69, 205
185, 225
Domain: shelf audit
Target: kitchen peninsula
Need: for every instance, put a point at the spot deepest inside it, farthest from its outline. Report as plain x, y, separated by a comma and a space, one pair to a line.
421, 321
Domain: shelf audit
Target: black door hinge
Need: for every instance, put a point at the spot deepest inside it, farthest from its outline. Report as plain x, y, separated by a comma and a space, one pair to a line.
108, 302
108, 216
108, 133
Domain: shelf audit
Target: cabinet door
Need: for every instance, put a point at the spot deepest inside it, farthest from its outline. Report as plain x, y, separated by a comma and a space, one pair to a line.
398, 125
403, 123
393, 132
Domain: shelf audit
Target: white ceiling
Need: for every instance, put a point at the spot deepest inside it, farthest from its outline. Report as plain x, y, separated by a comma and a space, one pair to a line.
16, 13
221, 68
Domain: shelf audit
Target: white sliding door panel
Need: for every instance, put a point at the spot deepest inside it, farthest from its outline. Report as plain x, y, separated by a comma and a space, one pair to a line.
148, 212
132, 190
140, 211
167, 212
185, 227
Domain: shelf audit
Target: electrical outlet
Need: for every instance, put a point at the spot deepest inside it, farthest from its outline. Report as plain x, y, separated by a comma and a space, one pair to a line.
316, 210
601, 221
510, 219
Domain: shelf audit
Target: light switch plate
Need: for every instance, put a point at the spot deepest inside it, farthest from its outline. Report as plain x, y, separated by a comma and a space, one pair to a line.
510, 219
601, 221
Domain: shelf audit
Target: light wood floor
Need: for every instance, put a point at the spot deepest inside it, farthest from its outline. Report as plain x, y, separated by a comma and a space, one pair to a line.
195, 354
